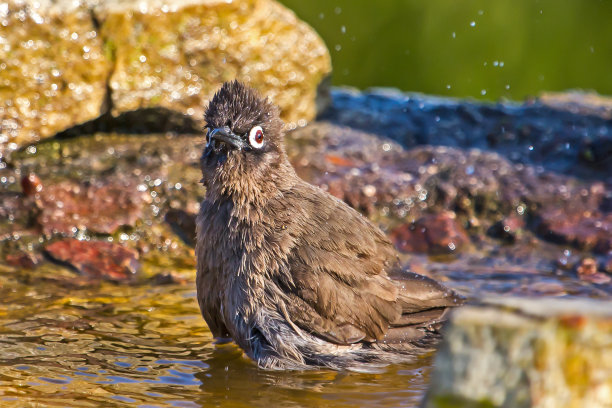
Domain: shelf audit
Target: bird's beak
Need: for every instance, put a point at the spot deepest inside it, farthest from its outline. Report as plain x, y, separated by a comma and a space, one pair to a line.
228, 137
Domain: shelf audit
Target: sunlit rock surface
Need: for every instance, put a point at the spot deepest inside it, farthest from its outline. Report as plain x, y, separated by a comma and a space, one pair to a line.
482, 219
516, 352
53, 70
64, 63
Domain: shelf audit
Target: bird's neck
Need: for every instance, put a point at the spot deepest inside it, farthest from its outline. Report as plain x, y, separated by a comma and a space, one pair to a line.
247, 193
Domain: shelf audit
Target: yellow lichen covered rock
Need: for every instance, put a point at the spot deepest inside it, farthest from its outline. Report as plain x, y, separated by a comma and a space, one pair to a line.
52, 70
81, 60
514, 352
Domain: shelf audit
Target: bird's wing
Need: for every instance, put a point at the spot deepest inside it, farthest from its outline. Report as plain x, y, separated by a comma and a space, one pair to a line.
338, 287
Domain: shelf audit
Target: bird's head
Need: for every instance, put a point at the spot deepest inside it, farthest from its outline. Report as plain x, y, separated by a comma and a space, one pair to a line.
244, 139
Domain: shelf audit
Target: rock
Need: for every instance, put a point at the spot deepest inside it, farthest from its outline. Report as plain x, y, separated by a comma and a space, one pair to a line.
525, 352
53, 69
102, 207
433, 234
476, 184
23, 260
31, 185
167, 278
96, 259
507, 228
580, 103
15, 215
608, 264
541, 133
587, 271
64, 63
583, 228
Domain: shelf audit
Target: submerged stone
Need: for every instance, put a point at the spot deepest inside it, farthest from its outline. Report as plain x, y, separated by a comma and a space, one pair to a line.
525, 352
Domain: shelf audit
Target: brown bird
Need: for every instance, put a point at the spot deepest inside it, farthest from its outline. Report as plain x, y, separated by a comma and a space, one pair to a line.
293, 275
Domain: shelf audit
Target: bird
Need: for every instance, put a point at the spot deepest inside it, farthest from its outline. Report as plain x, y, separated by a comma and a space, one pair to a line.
293, 275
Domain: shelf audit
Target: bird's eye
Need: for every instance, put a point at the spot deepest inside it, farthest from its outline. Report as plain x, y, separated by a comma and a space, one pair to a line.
256, 137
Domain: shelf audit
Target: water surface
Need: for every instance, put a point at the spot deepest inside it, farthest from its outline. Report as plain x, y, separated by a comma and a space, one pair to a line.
148, 346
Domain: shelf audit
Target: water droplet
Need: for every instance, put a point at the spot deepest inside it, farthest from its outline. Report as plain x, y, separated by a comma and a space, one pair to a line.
337, 10
343, 29
473, 24
337, 47
483, 92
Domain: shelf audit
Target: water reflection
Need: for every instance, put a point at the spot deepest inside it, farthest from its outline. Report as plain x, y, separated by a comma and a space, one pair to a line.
148, 347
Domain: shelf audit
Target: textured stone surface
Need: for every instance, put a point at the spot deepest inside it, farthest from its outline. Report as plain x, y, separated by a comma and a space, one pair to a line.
100, 208
571, 136
53, 70
145, 191
65, 63
434, 234
96, 259
517, 352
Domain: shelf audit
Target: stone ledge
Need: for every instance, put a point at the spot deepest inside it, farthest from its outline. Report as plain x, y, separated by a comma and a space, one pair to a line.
518, 352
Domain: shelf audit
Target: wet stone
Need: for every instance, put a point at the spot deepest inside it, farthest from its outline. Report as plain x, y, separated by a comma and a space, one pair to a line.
525, 352
508, 228
101, 207
433, 234
31, 185
160, 60
23, 260
167, 278
562, 136
582, 228
96, 259
587, 271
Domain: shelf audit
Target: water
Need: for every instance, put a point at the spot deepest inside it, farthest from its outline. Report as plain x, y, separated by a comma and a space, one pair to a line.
476, 48
146, 346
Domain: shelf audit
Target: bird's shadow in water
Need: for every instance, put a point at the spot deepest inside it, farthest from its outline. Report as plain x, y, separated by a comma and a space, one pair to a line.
231, 376
229, 369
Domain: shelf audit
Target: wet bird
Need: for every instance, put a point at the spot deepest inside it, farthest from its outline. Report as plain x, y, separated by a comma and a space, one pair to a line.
296, 277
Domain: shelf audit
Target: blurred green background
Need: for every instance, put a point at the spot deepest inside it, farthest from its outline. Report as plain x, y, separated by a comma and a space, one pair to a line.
471, 48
